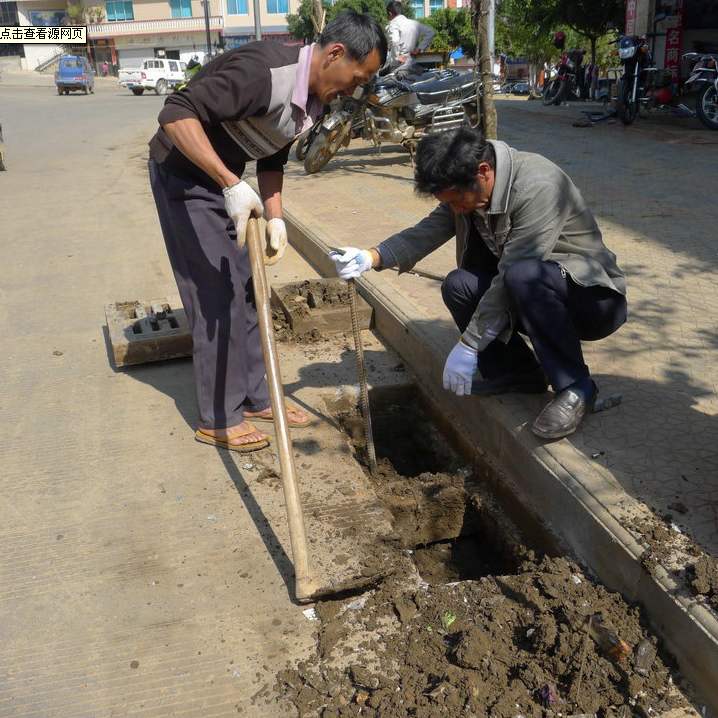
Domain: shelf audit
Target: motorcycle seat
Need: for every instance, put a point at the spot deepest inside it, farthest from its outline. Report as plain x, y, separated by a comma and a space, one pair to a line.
433, 92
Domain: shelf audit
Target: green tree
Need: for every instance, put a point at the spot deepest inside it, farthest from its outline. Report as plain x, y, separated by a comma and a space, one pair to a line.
453, 30
300, 25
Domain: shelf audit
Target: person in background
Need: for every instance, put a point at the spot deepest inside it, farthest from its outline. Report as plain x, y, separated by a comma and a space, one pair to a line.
407, 38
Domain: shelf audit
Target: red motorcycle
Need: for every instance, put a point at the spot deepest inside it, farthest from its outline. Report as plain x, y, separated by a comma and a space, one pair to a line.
567, 83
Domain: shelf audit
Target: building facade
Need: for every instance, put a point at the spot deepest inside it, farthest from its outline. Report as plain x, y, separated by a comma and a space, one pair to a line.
680, 26
122, 33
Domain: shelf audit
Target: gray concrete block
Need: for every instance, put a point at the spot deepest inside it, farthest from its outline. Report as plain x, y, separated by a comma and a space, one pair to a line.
145, 331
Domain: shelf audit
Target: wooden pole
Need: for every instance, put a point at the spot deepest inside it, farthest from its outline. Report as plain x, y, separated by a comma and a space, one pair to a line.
304, 584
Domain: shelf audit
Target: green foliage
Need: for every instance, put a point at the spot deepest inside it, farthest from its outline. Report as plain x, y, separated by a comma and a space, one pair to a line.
524, 28
300, 25
453, 29
376, 8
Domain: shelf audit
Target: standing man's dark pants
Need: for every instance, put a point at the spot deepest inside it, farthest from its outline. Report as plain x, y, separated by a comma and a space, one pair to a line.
215, 285
555, 313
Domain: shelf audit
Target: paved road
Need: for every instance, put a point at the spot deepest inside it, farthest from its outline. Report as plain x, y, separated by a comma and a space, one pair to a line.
141, 573
649, 186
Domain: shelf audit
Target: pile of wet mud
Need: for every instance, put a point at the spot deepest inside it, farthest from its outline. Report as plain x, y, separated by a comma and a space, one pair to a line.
502, 646
470, 622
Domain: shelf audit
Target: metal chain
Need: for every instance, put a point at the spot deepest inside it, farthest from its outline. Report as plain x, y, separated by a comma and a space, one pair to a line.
361, 369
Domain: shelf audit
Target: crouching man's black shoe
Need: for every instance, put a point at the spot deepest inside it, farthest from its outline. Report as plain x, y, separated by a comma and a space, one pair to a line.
530, 381
563, 414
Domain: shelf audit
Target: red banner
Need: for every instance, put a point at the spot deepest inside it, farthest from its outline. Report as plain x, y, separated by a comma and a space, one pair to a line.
631, 17
674, 42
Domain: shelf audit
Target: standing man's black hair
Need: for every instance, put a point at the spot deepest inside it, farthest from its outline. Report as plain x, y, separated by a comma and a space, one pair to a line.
450, 160
394, 7
360, 35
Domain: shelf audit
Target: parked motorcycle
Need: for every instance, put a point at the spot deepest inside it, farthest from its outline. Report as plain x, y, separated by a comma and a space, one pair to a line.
395, 110
567, 82
704, 79
638, 77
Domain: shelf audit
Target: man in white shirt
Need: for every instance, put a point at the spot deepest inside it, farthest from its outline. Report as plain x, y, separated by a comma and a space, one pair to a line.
407, 38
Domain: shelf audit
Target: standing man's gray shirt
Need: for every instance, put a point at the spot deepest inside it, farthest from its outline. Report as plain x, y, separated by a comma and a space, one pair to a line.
536, 212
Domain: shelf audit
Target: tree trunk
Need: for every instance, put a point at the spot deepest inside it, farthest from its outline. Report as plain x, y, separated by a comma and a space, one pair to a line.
318, 16
593, 87
483, 61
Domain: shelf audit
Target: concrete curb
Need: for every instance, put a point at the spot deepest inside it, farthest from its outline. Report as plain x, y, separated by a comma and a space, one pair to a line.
554, 482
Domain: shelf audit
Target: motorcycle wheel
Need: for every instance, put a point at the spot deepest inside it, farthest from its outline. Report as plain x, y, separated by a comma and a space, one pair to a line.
304, 142
707, 107
554, 92
325, 145
626, 109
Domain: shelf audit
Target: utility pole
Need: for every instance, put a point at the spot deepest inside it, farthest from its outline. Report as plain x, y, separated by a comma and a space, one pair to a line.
492, 29
482, 10
257, 21
206, 28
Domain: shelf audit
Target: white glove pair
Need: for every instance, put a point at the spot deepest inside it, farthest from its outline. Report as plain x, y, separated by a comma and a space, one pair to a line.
241, 201
351, 262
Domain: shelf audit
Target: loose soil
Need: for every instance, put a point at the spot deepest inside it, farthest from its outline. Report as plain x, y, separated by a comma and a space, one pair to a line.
468, 622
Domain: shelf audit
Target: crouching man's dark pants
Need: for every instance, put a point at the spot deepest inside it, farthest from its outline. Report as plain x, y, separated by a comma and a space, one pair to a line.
553, 311
215, 285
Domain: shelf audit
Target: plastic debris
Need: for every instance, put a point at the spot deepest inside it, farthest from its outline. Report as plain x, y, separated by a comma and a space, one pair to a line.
676, 528
608, 640
248, 467
357, 603
597, 454
547, 695
211, 517
530, 632
643, 657
576, 579
310, 614
448, 619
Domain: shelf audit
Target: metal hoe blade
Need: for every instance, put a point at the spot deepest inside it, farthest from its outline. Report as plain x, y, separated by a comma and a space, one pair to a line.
361, 369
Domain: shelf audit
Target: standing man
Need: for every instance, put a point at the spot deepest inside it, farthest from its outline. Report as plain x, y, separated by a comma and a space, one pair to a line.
407, 38
531, 260
248, 104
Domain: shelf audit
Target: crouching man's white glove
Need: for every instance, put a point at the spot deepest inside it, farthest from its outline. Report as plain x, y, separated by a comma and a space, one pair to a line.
459, 370
276, 241
240, 201
351, 262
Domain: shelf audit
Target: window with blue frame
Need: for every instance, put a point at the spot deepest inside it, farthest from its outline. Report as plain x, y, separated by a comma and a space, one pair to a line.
237, 7
277, 7
435, 5
418, 6
181, 8
117, 10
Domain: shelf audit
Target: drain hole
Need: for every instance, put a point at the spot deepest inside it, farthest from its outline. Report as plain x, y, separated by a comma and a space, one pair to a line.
173, 322
439, 507
467, 558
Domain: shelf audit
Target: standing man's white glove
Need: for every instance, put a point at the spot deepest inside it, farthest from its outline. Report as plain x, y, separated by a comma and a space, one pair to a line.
351, 262
241, 201
276, 240
459, 370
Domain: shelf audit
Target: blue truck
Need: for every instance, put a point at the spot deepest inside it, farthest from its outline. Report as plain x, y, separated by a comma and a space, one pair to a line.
74, 72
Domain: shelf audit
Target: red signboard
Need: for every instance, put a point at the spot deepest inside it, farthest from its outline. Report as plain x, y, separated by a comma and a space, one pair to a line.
674, 42
631, 17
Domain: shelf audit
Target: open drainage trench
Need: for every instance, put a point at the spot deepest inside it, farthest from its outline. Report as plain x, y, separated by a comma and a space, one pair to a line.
470, 621
470, 618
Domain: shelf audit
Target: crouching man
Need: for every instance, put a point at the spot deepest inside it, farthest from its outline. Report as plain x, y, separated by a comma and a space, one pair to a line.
531, 261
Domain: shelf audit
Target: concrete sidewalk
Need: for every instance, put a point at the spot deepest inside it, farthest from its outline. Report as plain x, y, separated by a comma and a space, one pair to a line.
628, 469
